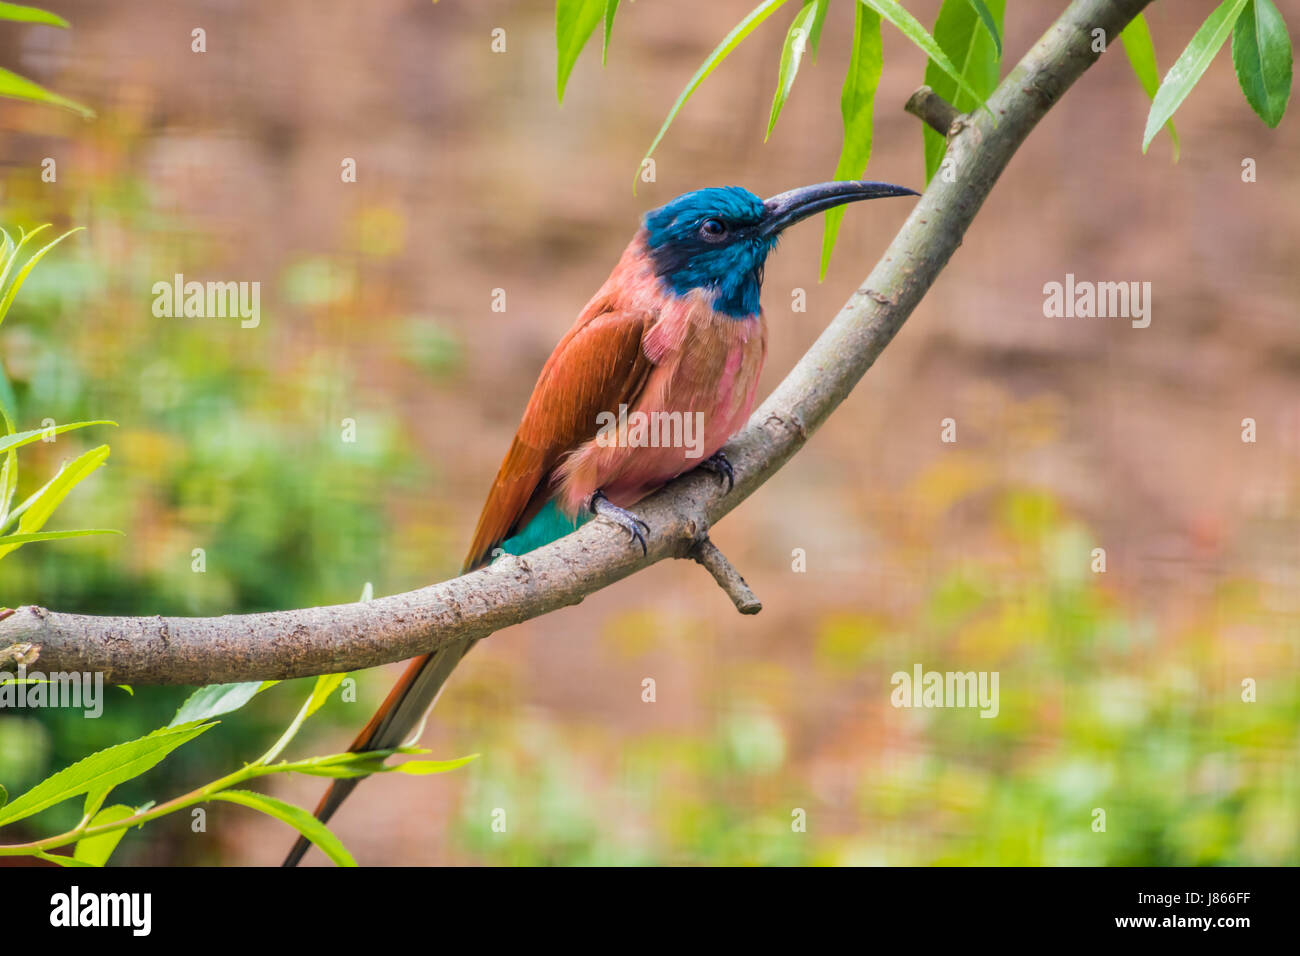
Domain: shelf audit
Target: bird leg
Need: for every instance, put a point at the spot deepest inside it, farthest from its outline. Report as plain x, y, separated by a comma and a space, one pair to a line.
718, 464
599, 505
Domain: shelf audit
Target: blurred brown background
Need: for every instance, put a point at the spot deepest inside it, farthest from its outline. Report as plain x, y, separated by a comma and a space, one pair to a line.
1119, 690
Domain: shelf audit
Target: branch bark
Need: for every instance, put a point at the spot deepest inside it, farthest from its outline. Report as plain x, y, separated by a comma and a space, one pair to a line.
283, 644
937, 113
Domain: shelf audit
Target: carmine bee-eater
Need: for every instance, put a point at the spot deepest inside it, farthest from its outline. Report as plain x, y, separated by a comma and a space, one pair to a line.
676, 330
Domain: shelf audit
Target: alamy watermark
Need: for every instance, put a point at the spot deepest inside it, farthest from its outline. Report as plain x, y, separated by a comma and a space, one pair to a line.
1101, 300
652, 430
922, 688
208, 300
28, 689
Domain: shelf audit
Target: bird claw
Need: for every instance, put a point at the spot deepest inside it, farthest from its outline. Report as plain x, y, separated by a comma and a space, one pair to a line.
718, 464
602, 506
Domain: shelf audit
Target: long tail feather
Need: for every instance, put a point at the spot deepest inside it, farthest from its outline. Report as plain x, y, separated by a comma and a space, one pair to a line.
398, 720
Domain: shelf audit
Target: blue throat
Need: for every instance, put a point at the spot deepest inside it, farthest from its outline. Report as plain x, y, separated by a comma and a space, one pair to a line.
712, 240
735, 296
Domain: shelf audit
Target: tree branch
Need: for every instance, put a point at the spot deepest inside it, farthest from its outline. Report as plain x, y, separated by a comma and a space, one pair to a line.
728, 578
282, 644
927, 105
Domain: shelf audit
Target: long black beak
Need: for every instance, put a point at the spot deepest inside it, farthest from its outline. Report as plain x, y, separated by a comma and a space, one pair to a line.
787, 208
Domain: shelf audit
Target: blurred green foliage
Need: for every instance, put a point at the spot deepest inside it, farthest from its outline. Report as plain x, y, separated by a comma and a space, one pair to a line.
233, 442
1097, 711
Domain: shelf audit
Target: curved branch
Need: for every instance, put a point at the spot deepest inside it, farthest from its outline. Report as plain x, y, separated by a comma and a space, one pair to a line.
282, 644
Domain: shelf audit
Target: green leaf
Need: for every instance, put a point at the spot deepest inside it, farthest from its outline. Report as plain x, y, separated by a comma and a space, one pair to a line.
60, 859
815, 34
101, 771
732, 40
54, 535
17, 440
4, 796
912, 29
959, 32
96, 850
611, 8
28, 266
94, 800
575, 21
991, 24
857, 106
8, 473
796, 42
217, 699
426, 767
369, 762
20, 88
325, 685
20, 13
38, 509
1190, 66
1141, 53
296, 817
1261, 54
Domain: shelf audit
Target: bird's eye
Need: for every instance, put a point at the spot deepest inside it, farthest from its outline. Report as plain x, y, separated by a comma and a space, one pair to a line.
713, 229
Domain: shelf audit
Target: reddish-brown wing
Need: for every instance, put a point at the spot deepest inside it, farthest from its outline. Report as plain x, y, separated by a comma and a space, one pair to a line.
597, 366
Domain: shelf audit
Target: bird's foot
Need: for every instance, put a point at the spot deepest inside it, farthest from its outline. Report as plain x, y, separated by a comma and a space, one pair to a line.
718, 464
602, 506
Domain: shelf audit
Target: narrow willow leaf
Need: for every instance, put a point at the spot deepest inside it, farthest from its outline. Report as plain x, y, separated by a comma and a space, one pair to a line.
575, 21
4, 796
12, 250
16, 87
101, 771
370, 762
60, 859
20, 13
796, 42
425, 767
8, 471
28, 266
1141, 53
611, 8
991, 24
217, 699
54, 535
815, 33
911, 28
94, 800
732, 40
36, 512
296, 817
959, 32
96, 850
325, 685
18, 439
1261, 54
1190, 66
857, 105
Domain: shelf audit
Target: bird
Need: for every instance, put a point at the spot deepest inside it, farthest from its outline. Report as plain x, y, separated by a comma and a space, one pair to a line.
676, 330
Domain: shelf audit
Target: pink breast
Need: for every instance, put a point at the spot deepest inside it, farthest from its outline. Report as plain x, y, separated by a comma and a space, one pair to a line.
706, 367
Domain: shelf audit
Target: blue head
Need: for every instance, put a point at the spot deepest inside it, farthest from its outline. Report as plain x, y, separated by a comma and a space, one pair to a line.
718, 239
